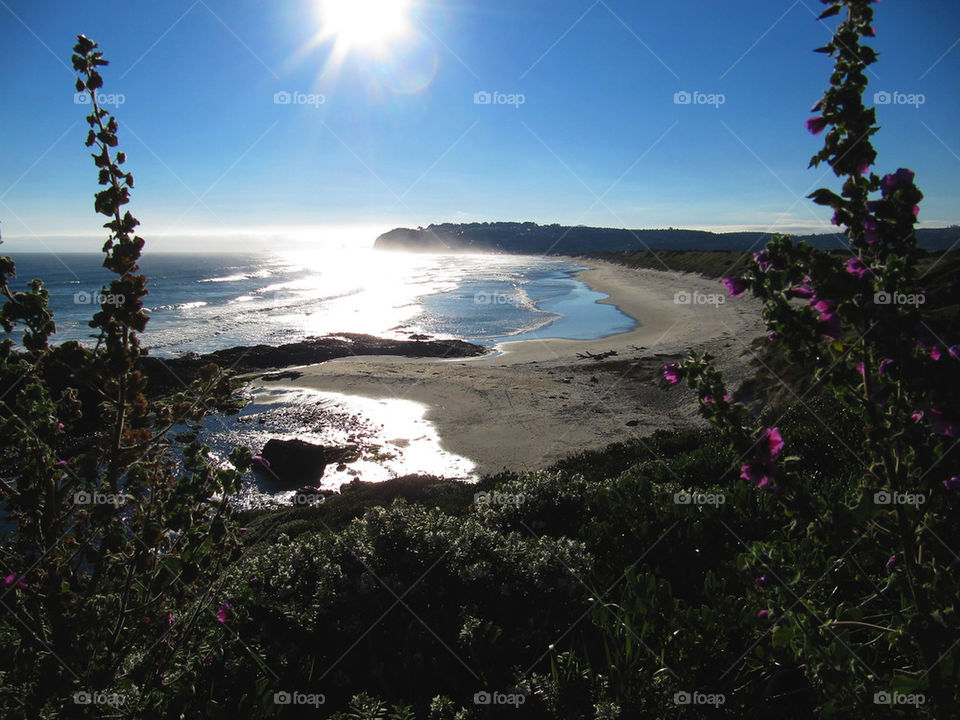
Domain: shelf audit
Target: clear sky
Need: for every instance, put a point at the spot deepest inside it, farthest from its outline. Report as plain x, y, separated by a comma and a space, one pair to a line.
384, 127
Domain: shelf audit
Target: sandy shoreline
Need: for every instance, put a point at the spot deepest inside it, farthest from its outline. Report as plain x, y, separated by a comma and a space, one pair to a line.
538, 400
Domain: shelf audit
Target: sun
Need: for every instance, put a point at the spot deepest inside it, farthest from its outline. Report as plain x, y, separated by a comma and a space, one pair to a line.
364, 24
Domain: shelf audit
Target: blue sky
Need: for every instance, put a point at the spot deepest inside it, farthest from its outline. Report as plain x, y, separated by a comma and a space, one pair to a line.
398, 138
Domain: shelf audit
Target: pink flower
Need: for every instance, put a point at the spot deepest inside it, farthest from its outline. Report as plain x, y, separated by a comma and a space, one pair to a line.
763, 614
802, 291
170, 619
860, 368
873, 230
771, 443
224, 612
15, 580
761, 581
816, 125
672, 373
917, 415
62, 464
736, 286
891, 562
763, 260
758, 473
855, 266
885, 365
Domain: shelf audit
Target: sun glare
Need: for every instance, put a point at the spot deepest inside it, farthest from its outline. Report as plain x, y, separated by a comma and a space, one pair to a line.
364, 24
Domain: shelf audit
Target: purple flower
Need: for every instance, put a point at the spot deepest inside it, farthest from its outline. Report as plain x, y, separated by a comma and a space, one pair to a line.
736, 286
873, 230
672, 373
816, 124
860, 368
864, 168
758, 473
260, 460
952, 484
885, 365
763, 614
891, 562
917, 415
763, 260
224, 612
770, 443
818, 107
954, 351
802, 291
894, 181
761, 581
60, 426
856, 267
15, 580
62, 464
170, 618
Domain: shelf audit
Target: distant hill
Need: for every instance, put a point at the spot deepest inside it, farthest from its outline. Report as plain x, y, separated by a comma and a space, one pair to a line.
528, 238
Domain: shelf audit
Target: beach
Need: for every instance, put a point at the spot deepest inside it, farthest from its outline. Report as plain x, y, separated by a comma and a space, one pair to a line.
535, 401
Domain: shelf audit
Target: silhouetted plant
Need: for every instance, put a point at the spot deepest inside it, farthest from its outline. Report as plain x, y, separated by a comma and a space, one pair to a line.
876, 578
117, 540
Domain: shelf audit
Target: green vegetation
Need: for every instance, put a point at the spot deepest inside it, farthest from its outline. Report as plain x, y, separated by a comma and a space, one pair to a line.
795, 562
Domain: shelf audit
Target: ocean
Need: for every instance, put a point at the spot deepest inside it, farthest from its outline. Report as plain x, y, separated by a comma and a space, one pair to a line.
201, 303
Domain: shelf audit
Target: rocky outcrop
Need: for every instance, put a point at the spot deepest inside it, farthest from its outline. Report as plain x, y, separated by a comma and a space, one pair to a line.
299, 462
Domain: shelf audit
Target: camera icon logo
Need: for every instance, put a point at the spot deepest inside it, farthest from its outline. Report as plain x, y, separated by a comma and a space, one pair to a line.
882, 498
882, 698
282, 698
482, 97
882, 298
881, 97
82, 298
82, 697
282, 98
681, 297
682, 498
481, 498
682, 97
482, 698
81, 98
682, 697
82, 497
481, 298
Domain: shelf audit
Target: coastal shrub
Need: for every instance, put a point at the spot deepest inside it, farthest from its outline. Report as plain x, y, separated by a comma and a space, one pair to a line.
861, 592
116, 542
455, 605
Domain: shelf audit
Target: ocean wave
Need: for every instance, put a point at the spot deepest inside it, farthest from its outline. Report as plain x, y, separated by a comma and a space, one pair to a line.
178, 306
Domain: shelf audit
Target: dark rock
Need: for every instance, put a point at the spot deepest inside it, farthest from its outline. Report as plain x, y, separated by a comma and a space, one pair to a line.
297, 461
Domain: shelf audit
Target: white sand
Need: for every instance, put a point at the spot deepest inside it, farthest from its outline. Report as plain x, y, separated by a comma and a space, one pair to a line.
538, 401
